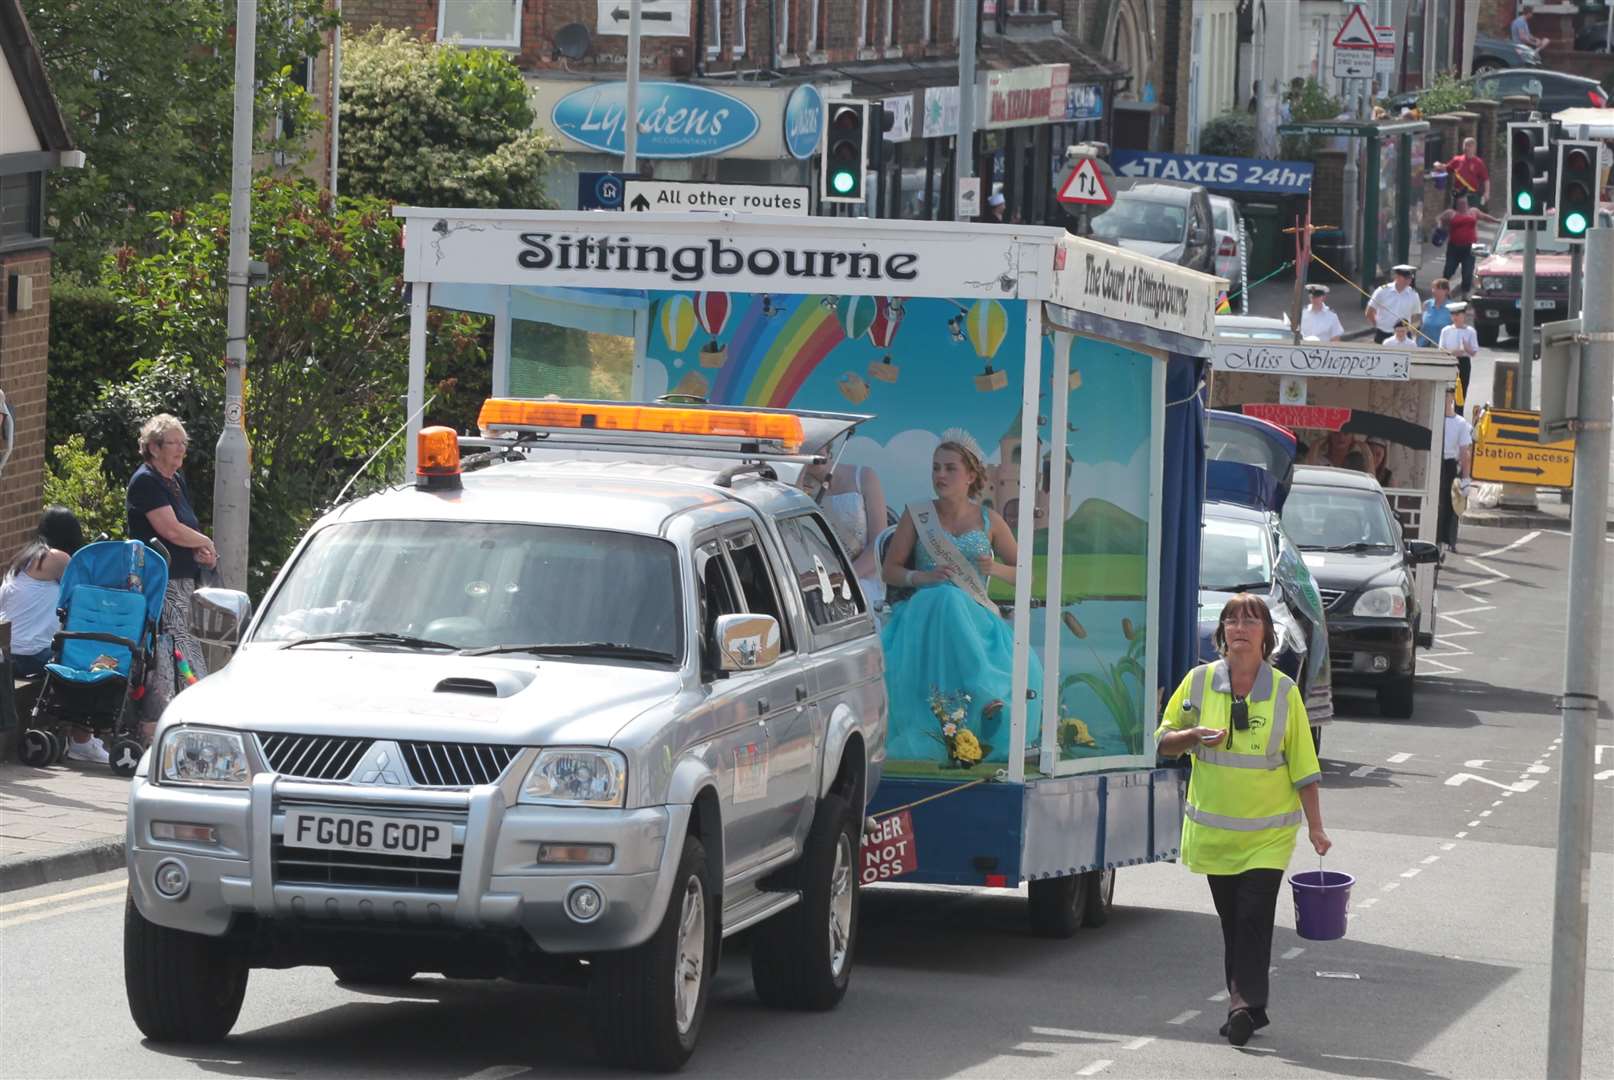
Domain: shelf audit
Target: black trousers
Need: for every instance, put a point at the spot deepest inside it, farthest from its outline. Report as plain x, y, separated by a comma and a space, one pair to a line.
1446, 530
1465, 367
1246, 903
1460, 256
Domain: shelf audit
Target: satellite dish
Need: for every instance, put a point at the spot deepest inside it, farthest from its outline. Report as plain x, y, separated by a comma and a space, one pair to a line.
573, 42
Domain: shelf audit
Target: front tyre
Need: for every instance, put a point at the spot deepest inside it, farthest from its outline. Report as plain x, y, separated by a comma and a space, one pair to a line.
802, 957
646, 1003
182, 987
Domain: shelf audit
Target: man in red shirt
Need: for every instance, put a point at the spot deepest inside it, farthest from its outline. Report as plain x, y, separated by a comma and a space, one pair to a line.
1462, 229
1469, 176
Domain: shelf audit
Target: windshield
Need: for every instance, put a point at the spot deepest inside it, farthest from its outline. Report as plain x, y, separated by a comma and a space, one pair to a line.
1512, 243
1137, 219
470, 585
1222, 215
1233, 557
1338, 519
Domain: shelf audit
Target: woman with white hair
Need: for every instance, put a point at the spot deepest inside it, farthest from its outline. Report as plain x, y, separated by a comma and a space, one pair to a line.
158, 505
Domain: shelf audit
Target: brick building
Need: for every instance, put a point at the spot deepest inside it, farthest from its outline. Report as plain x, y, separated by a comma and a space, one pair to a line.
33, 140
1052, 72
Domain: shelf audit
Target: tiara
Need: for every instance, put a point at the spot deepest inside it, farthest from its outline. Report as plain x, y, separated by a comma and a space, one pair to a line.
960, 437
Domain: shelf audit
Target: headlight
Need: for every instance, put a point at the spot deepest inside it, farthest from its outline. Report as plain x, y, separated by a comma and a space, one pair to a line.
577, 777
1388, 602
205, 756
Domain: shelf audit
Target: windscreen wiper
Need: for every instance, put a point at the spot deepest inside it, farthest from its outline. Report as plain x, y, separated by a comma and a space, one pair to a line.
380, 636
1248, 586
1360, 545
576, 648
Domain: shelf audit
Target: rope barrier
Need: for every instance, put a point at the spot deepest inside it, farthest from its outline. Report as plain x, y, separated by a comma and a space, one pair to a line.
938, 795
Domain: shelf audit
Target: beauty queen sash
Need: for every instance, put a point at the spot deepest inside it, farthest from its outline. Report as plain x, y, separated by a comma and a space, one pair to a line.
945, 554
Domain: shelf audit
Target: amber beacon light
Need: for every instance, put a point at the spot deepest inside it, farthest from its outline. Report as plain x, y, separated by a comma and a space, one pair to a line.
513, 414
437, 459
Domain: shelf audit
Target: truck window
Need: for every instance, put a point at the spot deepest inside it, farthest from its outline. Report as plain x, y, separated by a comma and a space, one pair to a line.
756, 582
828, 588
718, 595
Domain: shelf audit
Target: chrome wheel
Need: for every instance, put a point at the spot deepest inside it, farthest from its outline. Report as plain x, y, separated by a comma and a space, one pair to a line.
689, 960
841, 887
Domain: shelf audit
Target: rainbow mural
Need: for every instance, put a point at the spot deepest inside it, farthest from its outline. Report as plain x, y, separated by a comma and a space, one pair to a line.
777, 344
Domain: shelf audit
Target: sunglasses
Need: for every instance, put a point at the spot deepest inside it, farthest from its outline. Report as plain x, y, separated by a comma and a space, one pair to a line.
1241, 715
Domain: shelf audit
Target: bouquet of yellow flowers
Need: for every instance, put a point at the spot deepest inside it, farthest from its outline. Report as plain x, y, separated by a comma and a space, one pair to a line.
951, 710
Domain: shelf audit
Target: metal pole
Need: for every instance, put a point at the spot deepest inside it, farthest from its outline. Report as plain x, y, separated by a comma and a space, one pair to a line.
1577, 265
1566, 1013
630, 137
336, 97
232, 458
964, 153
1527, 319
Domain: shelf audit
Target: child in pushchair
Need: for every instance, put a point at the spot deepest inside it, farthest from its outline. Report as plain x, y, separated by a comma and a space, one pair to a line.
111, 600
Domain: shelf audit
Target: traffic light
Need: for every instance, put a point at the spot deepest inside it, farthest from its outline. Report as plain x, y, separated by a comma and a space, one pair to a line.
846, 151
1577, 189
1529, 172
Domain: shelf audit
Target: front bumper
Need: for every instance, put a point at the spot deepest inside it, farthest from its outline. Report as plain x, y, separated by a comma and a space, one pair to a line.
1366, 650
1501, 310
499, 882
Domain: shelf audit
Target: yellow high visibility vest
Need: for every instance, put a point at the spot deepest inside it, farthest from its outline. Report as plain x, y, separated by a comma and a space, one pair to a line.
1243, 795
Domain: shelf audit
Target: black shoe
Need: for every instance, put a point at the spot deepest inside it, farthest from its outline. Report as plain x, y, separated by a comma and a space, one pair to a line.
1240, 1026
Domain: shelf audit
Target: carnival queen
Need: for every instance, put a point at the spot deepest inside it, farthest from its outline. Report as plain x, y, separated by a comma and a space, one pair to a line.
948, 637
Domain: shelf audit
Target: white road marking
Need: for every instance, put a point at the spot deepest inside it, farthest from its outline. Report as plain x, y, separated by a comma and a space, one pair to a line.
1476, 763
1427, 859
35, 916
1094, 1068
1459, 622
1506, 794
56, 898
1498, 802
1448, 847
1466, 611
1369, 902
1537, 769
1489, 570
1290, 954
1396, 759
499, 1072
1472, 824
1442, 668
1220, 995
1364, 770
1457, 779
1485, 813
1139, 1043
1183, 1017
1389, 885
1525, 539
1414, 872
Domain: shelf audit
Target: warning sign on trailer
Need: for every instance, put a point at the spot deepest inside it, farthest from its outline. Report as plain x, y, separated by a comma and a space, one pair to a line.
1086, 186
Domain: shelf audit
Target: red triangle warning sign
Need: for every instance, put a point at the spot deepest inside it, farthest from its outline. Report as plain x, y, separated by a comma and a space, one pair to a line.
1357, 33
1086, 186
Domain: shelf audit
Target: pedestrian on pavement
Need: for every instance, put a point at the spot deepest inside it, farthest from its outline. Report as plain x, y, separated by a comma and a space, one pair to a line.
1519, 30
994, 207
1462, 227
1469, 175
1462, 341
158, 505
1435, 316
30, 595
1255, 774
1455, 466
1394, 303
1318, 322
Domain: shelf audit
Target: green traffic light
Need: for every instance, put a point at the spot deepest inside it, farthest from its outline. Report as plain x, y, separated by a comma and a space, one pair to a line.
842, 182
1524, 201
1575, 222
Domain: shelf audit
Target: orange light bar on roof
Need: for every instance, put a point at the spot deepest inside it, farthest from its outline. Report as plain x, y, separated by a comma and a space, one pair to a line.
781, 428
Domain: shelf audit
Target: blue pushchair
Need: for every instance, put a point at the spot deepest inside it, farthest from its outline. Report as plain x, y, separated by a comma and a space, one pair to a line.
111, 600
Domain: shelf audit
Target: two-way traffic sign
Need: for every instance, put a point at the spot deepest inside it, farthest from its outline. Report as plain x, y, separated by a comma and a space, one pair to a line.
1507, 450
1086, 186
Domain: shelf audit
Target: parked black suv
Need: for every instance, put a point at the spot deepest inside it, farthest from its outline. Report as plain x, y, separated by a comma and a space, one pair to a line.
1353, 544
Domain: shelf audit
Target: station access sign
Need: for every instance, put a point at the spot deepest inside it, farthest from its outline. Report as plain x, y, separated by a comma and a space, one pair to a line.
1507, 450
1355, 46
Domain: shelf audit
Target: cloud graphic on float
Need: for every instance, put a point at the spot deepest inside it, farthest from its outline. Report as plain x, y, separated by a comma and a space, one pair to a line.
1123, 483
903, 464
655, 380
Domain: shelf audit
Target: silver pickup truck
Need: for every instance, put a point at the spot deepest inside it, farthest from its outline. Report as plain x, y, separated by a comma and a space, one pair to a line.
575, 716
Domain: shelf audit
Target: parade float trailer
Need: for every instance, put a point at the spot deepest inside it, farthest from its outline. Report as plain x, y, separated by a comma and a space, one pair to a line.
1386, 392
1079, 368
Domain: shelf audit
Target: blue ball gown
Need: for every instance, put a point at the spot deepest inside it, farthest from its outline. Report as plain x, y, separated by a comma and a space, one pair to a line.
941, 639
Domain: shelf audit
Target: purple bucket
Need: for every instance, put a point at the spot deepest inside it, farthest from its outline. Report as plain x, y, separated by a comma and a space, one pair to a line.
1321, 897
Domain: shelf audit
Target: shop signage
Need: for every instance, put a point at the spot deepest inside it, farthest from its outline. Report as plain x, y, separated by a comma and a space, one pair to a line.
1022, 96
900, 109
804, 117
677, 196
657, 18
1120, 284
941, 112
599, 191
676, 120
1221, 173
889, 849
1314, 417
1084, 101
1332, 360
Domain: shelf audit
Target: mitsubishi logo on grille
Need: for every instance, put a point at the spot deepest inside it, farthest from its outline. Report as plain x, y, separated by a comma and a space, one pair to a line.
382, 766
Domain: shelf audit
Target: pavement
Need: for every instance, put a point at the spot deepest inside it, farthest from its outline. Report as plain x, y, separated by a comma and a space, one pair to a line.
58, 823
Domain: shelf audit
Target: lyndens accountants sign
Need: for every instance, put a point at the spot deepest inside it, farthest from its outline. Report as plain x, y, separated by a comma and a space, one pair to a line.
676, 120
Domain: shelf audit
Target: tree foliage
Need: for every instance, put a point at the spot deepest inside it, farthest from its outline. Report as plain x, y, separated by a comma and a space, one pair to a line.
75, 478
1307, 101
146, 89
1232, 134
89, 349
327, 352
438, 125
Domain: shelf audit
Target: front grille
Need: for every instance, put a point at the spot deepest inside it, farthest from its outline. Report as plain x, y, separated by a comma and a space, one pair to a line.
1552, 285
1341, 663
1330, 597
313, 757
442, 764
310, 866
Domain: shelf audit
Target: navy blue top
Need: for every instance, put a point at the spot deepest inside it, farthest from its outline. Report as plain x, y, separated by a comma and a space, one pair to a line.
148, 491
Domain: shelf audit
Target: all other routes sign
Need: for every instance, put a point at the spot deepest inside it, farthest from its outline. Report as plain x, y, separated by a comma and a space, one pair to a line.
678, 196
1219, 173
1086, 186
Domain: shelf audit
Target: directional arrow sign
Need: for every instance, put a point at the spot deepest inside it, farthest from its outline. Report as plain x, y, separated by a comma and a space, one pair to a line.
640, 203
1519, 786
659, 18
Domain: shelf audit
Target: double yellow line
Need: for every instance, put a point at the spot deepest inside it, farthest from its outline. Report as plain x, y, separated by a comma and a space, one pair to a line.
45, 907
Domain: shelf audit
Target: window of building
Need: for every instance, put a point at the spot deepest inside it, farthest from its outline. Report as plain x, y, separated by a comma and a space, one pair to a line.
739, 27
891, 17
22, 208
782, 14
490, 23
862, 24
714, 27
817, 25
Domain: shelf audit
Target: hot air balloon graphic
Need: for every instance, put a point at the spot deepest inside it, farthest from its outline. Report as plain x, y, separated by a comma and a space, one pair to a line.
888, 316
693, 384
677, 321
853, 388
856, 314
712, 309
986, 324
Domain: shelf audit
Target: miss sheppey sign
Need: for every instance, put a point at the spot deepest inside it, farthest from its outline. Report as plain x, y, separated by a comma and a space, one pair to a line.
1314, 359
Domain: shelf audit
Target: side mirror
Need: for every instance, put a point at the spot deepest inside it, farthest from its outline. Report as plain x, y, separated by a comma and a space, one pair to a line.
1482, 251
1421, 552
219, 615
746, 642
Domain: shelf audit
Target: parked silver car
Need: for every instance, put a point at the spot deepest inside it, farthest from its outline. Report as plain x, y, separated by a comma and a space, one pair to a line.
573, 719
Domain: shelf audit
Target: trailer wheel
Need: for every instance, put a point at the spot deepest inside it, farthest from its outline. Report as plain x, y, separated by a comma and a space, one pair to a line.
1100, 896
1059, 906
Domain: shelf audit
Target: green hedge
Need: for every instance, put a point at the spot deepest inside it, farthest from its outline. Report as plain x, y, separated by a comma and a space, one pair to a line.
88, 351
